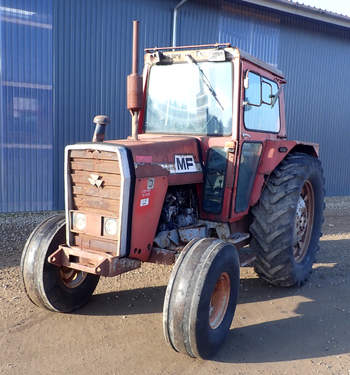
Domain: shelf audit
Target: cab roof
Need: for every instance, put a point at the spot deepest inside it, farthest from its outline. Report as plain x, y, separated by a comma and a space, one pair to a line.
203, 52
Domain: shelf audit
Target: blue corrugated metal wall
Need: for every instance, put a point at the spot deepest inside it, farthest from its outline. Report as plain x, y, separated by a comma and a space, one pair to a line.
256, 32
68, 61
316, 60
314, 57
92, 47
26, 136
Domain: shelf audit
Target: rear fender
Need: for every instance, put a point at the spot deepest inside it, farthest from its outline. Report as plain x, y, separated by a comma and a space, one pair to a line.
275, 151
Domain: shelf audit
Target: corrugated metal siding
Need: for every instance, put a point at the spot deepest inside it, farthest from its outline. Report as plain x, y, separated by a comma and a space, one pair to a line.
26, 137
253, 31
316, 59
92, 48
89, 49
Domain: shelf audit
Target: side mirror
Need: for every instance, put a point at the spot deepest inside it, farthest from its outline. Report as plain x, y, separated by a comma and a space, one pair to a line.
258, 91
246, 80
266, 93
252, 85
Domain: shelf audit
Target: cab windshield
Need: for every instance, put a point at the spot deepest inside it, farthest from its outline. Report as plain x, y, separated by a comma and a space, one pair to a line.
190, 98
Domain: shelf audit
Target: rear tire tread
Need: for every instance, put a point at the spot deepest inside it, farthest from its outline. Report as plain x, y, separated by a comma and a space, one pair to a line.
273, 221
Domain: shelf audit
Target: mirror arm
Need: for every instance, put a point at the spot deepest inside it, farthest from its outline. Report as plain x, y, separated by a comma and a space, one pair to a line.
276, 96
251, 104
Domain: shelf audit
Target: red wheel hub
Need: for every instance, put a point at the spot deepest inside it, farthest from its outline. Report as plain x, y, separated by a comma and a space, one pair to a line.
219, 300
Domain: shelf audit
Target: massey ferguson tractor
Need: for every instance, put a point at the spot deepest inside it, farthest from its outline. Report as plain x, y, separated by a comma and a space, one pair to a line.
208, 181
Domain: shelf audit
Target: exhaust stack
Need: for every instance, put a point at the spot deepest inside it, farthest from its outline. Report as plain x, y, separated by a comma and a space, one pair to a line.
134, 84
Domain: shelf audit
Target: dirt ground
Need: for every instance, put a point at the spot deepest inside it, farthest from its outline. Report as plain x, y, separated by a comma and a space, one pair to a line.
275, 331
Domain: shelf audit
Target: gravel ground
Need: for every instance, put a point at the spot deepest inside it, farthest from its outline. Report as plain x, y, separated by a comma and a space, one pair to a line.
275, 330
16, 227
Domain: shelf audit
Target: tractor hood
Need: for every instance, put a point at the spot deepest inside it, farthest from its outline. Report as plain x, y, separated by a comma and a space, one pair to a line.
179, 158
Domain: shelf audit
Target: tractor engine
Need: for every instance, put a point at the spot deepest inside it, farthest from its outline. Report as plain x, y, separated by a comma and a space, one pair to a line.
180, 208
178, 218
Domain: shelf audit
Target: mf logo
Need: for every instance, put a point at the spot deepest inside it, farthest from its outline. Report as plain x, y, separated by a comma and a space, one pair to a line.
185, 164
95, 180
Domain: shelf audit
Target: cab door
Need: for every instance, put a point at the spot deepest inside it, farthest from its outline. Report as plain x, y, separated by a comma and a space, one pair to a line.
259, 121
218, 150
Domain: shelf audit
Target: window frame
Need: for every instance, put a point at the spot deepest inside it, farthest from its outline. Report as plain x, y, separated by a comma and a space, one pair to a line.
279, 106
230, 134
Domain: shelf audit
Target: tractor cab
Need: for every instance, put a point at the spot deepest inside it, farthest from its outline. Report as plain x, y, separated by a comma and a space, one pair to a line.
231, 102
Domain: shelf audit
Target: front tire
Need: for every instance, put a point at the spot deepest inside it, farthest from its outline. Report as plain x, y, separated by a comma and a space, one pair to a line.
287, 221
201, 297
55, 288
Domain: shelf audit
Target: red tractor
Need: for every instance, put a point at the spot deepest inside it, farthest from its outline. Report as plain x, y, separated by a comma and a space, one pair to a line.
207, 171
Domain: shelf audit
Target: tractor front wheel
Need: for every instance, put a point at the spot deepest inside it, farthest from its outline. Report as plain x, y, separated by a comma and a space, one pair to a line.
55, 288
201, 297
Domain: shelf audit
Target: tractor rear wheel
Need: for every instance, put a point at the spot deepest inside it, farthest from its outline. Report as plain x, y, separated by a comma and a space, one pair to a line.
55, 288
287, 221
201, 297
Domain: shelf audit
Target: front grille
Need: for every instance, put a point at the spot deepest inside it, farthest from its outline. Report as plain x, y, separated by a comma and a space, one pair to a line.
95, 182
85, 165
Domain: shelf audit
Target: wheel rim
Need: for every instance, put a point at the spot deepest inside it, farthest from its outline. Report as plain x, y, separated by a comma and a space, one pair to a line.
72, 278
304, 221
219, 300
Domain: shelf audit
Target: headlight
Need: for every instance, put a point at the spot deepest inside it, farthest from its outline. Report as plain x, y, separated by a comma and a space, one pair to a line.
79, 221
110, 226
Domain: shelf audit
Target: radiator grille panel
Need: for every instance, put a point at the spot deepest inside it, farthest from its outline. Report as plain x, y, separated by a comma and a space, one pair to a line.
95, 188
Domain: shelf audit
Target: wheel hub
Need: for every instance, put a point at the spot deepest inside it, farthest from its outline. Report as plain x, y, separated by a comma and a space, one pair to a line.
304, 221
72, 278
301, 218
219, 300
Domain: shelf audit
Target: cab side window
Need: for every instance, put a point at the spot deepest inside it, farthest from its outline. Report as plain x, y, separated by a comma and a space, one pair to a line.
261, 116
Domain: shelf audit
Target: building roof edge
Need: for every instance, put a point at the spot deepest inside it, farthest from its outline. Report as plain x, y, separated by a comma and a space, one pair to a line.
303, 11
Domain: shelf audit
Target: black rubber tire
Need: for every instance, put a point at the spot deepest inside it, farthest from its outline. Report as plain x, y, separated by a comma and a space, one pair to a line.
188, 295
273, 227
42, 281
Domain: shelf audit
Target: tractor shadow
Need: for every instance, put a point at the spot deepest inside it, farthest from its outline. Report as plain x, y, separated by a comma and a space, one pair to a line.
316, 322
306, 336
126, 302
